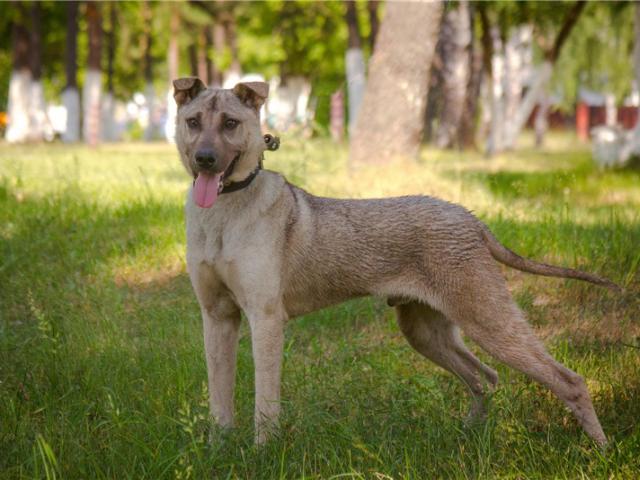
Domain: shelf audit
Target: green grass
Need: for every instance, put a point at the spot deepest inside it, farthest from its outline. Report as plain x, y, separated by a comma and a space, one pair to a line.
102, 373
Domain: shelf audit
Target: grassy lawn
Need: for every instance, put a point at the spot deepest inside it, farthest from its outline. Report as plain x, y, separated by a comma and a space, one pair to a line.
102, 373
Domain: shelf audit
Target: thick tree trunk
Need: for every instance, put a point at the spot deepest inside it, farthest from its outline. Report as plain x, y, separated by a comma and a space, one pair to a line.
70, 95
391, 119
172, 66
20, 81
455, 41
92, 90
354, 62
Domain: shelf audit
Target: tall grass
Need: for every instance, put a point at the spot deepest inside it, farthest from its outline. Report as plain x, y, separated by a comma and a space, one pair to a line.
102, 373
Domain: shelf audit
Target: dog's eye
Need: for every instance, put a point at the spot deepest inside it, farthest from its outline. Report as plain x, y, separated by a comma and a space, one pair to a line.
193, 122
230, 123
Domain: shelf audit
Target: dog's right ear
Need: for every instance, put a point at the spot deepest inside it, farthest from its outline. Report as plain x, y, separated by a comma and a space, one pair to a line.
186, 89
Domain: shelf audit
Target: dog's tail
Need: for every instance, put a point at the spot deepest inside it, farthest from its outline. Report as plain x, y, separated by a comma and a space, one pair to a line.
512, 259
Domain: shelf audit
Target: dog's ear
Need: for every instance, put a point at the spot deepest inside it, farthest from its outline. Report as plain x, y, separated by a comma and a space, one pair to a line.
186, 89
252, 94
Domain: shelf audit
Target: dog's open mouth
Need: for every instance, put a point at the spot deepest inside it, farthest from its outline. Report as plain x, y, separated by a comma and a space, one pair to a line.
207, 185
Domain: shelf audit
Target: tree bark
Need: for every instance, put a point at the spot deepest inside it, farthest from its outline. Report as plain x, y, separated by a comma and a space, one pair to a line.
20, 82
92, 90
354, 62
70, 94
455, 41
391, 119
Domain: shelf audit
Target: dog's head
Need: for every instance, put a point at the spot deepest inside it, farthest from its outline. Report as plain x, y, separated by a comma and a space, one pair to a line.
217, 130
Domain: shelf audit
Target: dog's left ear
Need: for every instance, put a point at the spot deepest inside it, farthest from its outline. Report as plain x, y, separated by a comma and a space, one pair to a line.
252, 94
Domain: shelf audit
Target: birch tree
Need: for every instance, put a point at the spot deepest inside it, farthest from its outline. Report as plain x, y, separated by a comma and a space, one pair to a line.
70, 94
354, 63
455, 40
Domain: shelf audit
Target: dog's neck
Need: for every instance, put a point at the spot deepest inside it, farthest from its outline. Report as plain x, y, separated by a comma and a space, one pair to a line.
234, 186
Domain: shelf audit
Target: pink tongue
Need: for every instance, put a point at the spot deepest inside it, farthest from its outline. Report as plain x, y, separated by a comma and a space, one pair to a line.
205, 190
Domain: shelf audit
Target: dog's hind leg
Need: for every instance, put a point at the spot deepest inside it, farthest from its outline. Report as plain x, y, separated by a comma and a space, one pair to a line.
487, 313
436, 338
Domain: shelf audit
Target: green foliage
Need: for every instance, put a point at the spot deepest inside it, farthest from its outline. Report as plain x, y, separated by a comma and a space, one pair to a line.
101, 357
598, 55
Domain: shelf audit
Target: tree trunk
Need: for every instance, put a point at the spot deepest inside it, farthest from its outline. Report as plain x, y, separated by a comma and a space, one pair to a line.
518, 59
233, 74
39, 125
391, 119
172, 67
219, 41
374, 23
208, 45
542, 78
354, 62
455, 38
149, 92
109, 132
468, 122
70, 95
20, 82
496, 92
541, 123
92, 90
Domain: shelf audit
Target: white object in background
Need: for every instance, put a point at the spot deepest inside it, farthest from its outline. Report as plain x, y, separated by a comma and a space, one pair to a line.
18, 108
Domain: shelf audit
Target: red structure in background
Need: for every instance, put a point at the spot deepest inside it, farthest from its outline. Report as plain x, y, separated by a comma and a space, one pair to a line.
582, 121
587, 117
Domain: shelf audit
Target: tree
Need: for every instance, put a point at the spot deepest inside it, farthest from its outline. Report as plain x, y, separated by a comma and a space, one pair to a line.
455, 42
542, 77
469, 121
20, 82
374, 23
391, 118
354, 62
70, 95
109, 132
92, 90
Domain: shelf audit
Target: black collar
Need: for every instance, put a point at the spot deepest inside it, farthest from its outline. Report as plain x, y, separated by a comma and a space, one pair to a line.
235, 186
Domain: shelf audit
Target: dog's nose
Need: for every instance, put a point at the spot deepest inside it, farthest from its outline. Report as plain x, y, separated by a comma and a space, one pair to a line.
205, 158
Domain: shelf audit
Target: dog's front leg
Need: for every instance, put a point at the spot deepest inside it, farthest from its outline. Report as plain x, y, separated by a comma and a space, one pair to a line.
267, 336
221, 325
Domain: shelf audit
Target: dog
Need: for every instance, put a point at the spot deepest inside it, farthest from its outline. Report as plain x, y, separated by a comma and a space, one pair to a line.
259, 245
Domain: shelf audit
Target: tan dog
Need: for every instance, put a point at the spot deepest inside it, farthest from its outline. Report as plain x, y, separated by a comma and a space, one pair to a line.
257, 244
